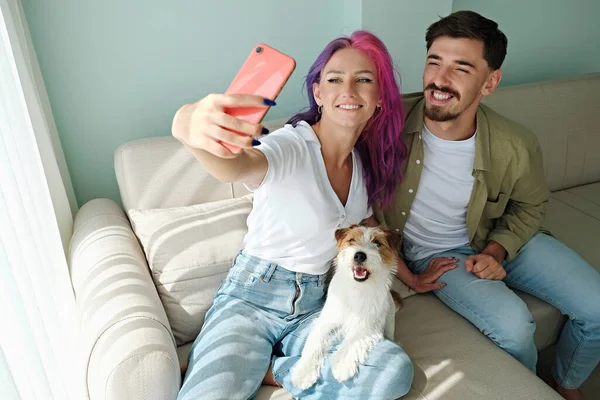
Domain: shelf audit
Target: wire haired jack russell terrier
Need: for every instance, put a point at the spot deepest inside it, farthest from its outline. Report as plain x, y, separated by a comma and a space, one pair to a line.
360, 306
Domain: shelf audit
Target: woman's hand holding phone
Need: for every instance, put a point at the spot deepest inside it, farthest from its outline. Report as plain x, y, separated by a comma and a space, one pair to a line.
226, 124
205, 125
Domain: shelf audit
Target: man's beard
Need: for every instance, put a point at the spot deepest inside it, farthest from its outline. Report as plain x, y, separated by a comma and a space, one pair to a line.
435, 113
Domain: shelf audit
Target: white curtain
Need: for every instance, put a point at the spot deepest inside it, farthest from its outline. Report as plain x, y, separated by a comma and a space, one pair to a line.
40, 330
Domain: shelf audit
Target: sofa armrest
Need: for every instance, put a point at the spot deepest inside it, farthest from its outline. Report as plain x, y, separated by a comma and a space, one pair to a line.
129, 350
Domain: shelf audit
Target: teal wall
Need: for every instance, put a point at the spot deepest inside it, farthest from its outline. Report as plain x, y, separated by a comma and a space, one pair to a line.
547, 39
401, 25
117, 70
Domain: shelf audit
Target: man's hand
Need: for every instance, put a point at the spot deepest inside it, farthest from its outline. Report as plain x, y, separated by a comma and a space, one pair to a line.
485, 266
426, 281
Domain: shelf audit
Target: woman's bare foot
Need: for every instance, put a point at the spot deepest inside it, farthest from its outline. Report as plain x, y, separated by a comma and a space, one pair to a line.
269, 379
569, 394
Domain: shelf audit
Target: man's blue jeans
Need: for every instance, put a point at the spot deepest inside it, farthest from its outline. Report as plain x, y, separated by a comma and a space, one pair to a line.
262, 315
547, 269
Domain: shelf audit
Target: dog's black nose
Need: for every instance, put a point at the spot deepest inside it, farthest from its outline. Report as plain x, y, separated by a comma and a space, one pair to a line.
360, 257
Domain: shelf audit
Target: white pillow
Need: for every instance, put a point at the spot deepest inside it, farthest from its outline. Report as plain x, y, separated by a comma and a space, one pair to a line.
189, 252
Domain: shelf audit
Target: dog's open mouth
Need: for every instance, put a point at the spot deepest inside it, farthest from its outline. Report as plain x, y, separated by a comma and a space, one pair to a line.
360, 273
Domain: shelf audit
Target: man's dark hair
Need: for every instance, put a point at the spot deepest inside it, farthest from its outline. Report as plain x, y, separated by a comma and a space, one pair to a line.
470, 25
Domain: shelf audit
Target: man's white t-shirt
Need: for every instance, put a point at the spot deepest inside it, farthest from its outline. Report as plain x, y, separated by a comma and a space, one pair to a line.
438, 215
295, 210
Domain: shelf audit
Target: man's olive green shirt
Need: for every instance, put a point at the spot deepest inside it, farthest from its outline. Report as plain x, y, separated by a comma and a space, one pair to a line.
509, 196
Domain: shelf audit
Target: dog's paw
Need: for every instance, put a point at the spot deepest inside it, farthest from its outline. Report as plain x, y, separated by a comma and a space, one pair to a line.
304, 375
343, 366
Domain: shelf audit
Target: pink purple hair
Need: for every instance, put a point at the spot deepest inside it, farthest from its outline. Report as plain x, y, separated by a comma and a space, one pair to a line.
380, 145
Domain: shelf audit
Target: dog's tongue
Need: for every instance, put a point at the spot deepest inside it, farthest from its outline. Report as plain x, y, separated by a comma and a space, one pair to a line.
359, 271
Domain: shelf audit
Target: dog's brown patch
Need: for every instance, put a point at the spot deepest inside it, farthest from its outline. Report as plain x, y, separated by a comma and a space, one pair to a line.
388, 251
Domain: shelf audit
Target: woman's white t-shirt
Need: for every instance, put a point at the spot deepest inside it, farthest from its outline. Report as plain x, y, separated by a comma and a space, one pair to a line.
295, 209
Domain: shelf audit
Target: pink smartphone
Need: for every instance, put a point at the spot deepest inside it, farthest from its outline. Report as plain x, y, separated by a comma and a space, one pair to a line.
264, 73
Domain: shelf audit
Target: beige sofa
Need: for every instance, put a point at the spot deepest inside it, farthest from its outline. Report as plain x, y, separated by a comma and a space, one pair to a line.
135, 319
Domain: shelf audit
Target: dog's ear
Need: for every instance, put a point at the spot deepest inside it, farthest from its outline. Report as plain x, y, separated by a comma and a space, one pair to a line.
340, 234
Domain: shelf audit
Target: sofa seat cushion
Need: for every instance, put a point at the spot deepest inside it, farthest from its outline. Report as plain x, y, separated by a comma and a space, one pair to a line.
458, 362
585, 198
453, 360
574, 218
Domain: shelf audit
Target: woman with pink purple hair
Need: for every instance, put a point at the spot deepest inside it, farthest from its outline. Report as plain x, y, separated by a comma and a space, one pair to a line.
322, 171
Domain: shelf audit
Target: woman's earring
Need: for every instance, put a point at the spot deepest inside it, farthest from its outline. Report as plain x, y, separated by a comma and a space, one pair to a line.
378, 108
320, 109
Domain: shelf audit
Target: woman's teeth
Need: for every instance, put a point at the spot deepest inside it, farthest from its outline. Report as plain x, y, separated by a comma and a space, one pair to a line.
349, 107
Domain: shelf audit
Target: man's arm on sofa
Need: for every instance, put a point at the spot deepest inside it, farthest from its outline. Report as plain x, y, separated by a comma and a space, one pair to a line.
526, 207
129, 351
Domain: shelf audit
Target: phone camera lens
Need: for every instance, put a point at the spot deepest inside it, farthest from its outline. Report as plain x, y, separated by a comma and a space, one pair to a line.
258, 49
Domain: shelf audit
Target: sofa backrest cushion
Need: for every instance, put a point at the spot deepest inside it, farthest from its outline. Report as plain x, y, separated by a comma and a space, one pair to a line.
160, 172
561, 113
189, 252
